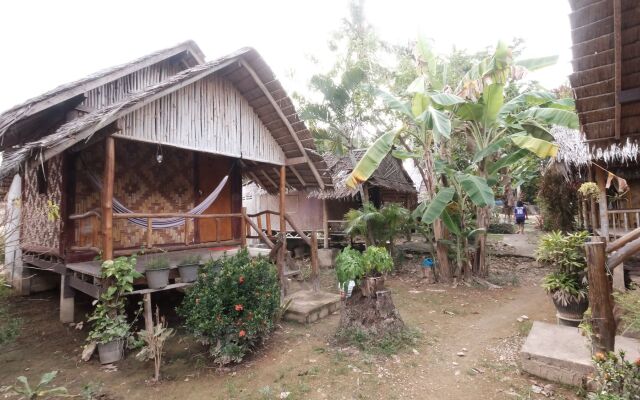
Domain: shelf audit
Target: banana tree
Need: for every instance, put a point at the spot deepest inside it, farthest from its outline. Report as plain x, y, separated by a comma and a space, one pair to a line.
495, 126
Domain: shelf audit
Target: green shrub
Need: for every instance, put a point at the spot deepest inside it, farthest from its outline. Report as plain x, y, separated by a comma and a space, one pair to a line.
235, 309
500, 228
192, 259
558, 201
351, 265
9, 325
616, 378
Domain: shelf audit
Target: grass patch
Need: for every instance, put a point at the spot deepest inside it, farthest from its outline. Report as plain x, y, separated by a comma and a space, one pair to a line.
524, 328
386, 345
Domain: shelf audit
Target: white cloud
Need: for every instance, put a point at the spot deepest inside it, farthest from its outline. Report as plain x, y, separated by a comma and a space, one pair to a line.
45, 43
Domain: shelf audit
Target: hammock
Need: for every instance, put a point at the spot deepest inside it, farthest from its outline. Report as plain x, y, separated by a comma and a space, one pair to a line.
163, 223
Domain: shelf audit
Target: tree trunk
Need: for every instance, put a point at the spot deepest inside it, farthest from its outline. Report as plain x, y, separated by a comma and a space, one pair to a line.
480, 267
443, 265
374, 315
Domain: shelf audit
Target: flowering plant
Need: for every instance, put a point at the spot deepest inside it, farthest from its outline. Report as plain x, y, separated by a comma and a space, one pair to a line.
616, 377
233, 310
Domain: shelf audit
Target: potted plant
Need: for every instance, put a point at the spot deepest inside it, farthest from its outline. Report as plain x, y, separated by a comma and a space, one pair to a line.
110, 328
157, 272
188, 268
567, 285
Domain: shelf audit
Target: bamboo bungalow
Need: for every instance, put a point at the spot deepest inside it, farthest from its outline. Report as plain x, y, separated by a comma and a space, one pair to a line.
149, 154
322, 210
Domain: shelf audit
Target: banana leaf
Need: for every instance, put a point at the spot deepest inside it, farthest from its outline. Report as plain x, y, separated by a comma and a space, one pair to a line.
477, 189
437, 205
371, 159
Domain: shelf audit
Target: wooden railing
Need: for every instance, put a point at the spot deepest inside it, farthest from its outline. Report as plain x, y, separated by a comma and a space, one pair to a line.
87, 222
623, 219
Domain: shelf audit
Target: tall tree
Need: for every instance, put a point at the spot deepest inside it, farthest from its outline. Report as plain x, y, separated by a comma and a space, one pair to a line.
348, 114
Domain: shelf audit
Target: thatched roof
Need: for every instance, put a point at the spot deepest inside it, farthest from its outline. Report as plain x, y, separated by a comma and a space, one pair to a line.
606, 64
247, 70
10, 120
575, 150
389, 175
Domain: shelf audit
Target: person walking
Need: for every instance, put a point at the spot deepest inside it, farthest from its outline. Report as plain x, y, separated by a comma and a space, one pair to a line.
520, 212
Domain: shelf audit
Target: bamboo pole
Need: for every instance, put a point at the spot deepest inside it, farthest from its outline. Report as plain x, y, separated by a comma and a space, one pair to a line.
623, 253
604, 326
315, 275
107, 198
325, 223
243, 228
149, 233
283, 232
268, 219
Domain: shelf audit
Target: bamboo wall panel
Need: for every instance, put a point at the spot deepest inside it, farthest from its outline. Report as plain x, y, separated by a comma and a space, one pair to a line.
210, 115
37, 229
118, 89
142, 185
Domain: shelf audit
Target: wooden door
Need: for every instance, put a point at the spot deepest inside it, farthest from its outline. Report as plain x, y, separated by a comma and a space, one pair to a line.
211, 170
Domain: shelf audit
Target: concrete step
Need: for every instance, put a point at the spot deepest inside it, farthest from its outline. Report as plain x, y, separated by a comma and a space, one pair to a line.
308, 306
562, 354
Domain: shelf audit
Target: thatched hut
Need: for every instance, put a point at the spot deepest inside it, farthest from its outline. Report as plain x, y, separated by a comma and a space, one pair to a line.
149, 154
322, 210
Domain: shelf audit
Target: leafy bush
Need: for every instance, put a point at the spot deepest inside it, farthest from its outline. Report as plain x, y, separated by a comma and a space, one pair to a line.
616, 378
564, 252
589, 190
9, 325
351, 265
378, 227
109, 318
233, 310
558, 201
501, 228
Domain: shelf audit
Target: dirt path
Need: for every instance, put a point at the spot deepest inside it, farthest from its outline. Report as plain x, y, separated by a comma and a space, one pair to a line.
303, 362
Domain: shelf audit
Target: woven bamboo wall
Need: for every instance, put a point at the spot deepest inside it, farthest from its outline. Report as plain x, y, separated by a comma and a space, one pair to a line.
37, 230
142, 185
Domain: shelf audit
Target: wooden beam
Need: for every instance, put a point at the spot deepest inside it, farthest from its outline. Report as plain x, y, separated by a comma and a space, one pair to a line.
243, 230
629, 96
268, 178
295, 161
617, 44
107, 198
620, 242
297, 174
266, 92
628, 250
603, 323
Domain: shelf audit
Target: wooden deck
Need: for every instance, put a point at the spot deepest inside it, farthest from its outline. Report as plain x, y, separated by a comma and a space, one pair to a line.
92, 268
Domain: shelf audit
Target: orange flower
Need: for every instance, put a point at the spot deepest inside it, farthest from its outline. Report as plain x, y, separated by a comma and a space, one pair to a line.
241, 280
239, 307
638, 362
600, 356
242, 333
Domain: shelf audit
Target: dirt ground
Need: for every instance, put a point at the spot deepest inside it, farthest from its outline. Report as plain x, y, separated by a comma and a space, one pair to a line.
467, 349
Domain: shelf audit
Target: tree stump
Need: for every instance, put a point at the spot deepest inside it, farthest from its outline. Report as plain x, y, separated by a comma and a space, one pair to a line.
374, 315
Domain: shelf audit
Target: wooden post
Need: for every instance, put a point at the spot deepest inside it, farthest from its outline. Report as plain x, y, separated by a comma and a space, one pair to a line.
186, 231
315, 276
283, 232
585, 215
325, 223
107, 198
149, 234
67, 299
243, 228
148, 312
604, 325
268, 220
259, 221
601, 180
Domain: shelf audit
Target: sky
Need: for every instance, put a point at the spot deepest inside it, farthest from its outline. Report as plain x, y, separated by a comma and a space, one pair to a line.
48, 43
